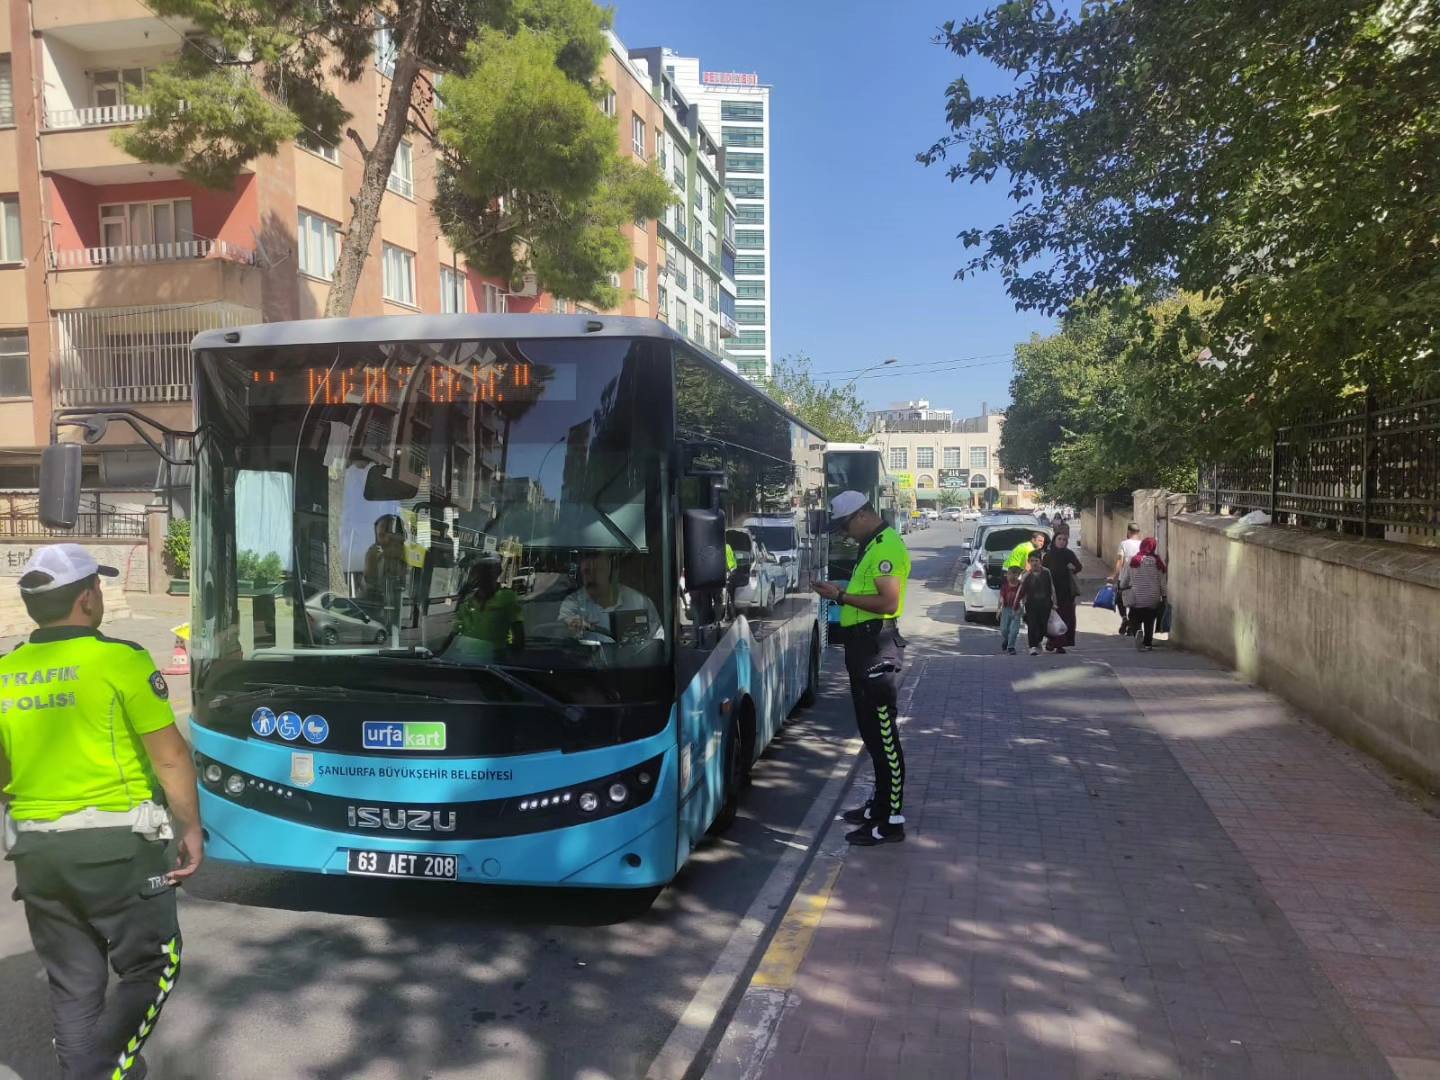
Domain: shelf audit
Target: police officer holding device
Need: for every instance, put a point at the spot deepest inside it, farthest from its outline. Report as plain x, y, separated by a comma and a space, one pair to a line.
87, 733
871, 605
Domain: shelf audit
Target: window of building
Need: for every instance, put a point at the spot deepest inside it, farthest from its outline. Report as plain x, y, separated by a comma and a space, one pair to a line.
402, 171
750, 214
681, 326
494, 298
715, 297
700, 287
642, 281
319, 245
899, 457
14, 364
954, 457
750, 339
750, 290
399, 278
750, 264
7, 94
750, 239
637, 135
737, 136
607, 103
313, 145
679, 176
116, 86
132, 224
10, 230
751, 316
385, 52
924, 457
662, 305
745, 163
742, 110
452, 291
979, 457
746, 189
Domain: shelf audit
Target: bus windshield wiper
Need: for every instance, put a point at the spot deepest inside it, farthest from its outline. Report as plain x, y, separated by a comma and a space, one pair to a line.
266, 689
571, 713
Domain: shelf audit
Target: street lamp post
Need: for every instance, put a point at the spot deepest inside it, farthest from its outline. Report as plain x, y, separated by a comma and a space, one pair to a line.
873, 367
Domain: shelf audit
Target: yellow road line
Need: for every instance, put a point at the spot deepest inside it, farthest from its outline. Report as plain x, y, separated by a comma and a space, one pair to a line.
781, 962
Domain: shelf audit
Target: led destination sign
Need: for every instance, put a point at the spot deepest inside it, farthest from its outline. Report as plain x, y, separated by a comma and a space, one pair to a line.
443, 384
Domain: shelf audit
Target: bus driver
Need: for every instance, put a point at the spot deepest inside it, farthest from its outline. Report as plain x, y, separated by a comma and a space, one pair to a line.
601, 605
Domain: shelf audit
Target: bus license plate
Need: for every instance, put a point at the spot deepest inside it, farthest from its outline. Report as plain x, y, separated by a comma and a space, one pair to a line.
404, 864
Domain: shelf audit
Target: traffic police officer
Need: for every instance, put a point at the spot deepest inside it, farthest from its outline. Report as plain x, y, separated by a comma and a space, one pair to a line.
87, 732
871, 606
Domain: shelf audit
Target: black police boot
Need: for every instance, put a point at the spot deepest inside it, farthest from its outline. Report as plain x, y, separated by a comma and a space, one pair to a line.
873, 835
858, 816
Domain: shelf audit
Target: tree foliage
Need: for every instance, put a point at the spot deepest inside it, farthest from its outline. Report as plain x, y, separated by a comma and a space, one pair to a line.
835, 411
1111, 402
1281, 158
531, 158
519, 119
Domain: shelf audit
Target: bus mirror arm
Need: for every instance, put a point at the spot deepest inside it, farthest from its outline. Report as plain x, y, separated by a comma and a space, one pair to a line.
61, 463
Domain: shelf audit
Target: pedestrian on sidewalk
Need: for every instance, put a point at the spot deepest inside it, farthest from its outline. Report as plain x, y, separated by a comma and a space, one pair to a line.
1129, 548
1010, 619
1143, 581
82, 756
1064, 566
1020, 554
870, 608
1037, 596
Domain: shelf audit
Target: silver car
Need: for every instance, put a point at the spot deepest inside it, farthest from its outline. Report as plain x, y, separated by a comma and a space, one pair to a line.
985, 557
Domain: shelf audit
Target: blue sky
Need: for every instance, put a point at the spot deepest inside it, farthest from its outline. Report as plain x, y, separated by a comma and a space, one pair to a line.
864, 237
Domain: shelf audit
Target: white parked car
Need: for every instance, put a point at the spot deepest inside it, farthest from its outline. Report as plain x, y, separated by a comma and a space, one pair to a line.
758, 579
984, 569
782, 539
970, 515
339, 620
951, 513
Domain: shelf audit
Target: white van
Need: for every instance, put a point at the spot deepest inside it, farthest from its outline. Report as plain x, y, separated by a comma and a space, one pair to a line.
782, 539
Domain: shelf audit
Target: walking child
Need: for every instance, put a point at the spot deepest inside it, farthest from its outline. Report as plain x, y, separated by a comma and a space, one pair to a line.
1010, 619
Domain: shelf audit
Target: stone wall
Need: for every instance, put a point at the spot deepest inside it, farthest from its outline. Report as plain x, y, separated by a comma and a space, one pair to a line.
1348, 630
1102, 529
131, 558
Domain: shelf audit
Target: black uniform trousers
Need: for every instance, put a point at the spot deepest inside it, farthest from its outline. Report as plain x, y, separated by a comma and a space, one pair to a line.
874, 658
98, 897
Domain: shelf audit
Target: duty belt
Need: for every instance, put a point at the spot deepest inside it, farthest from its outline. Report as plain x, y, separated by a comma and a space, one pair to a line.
148, 819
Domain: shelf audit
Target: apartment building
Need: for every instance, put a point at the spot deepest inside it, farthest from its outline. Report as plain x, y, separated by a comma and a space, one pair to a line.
736, 105
109, 266
697, 233
928, 456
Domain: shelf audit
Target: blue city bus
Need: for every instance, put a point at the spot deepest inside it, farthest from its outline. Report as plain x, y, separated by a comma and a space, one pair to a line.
440, 622
855, 467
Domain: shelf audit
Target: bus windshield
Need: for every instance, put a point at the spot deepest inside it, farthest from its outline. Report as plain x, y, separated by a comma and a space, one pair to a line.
473, 504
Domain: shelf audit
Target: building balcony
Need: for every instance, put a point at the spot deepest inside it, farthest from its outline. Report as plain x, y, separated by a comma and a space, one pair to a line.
136, 355
728, 327
148, 254
94, 116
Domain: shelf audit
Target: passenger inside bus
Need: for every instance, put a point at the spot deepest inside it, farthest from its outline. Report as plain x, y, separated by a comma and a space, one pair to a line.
605, 610
385, 569
488, 618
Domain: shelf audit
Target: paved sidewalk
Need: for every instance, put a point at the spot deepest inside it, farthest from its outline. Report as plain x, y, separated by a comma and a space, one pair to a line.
1119, 865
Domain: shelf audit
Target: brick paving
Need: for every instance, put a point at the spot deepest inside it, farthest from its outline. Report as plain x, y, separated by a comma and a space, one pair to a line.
1120, 865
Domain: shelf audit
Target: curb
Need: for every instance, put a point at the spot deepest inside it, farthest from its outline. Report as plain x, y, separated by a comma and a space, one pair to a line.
748, 1039
706, 1019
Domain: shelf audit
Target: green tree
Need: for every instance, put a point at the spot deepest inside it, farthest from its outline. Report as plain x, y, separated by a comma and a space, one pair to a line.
259, 73
1113, 401
949, 497
1280, 158
835, 411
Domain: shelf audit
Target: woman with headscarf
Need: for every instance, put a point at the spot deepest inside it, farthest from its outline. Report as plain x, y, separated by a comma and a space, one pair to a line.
1063, 565
1142, 583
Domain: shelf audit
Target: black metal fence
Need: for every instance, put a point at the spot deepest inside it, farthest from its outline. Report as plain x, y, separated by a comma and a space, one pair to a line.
1374, 471
21, 520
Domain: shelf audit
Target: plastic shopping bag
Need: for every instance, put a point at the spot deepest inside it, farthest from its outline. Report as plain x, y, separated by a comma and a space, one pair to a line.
1163, 623
1106, 597
1056, 626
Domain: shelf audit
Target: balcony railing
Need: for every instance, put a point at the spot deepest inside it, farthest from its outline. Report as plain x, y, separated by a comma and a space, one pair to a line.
94, 116
135, 355
145, 254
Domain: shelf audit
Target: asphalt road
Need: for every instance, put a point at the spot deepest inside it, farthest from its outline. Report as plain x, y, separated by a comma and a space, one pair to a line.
343, 979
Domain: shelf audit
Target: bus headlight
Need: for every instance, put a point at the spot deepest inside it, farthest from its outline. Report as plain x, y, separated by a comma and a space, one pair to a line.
619, 793
213, 774
234, 784
589, 802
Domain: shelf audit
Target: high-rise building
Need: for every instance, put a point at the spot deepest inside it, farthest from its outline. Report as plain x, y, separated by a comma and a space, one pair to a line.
109, 266
736, 105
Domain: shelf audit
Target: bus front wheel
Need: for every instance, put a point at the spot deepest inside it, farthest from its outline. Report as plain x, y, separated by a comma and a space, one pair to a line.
812, 686
736, 773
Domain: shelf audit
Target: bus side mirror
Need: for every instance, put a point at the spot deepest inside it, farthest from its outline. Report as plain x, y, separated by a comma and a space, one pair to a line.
60, 485
704, 550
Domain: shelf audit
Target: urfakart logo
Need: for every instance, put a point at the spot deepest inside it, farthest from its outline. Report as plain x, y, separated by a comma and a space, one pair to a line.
399, 819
